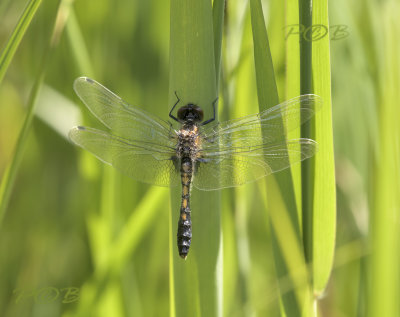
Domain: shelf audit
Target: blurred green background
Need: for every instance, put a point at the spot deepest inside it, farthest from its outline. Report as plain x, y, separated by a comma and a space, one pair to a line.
56, 235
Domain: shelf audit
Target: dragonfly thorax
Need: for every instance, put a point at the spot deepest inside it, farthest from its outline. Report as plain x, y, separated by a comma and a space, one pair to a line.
188, 141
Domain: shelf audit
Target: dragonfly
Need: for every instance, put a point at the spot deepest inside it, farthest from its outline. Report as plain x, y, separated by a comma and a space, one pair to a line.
201, 153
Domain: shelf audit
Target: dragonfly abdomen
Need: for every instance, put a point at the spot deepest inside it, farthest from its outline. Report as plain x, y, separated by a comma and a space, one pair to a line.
184, 235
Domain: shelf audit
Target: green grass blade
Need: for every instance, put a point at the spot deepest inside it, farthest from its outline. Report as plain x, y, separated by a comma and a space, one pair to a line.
78, 45
237, 210
289, 260
139, 222
266, 86
383, 299
121, 248
109, 255
11, 171
16, 36
8, 179
324, 203
192, 76
293, 83
305, 20
218, 23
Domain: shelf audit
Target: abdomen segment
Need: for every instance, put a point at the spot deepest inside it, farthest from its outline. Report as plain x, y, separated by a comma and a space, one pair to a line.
184, 235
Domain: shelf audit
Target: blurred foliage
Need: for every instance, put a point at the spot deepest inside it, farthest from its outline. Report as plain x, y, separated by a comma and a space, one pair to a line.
79, 239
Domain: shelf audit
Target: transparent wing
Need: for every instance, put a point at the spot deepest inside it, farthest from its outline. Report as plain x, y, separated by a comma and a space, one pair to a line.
146, 162
242, 165
268, 126
123, 119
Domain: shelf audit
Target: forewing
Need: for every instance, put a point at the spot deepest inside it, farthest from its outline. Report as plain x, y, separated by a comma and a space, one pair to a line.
269, 126
241, 165
143, 161
122, 118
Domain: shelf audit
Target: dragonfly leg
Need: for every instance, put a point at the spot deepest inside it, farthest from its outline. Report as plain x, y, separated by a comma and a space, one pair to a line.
213, 118
170, 113
171, 131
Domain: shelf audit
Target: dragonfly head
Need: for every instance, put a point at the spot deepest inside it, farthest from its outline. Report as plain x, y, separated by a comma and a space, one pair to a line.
190, 113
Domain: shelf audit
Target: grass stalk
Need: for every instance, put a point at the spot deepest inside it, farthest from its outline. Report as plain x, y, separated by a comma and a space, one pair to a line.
17, 35
305, 20
218, 24
193, 76
289, 260
11, 171
385, 223
323, 182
